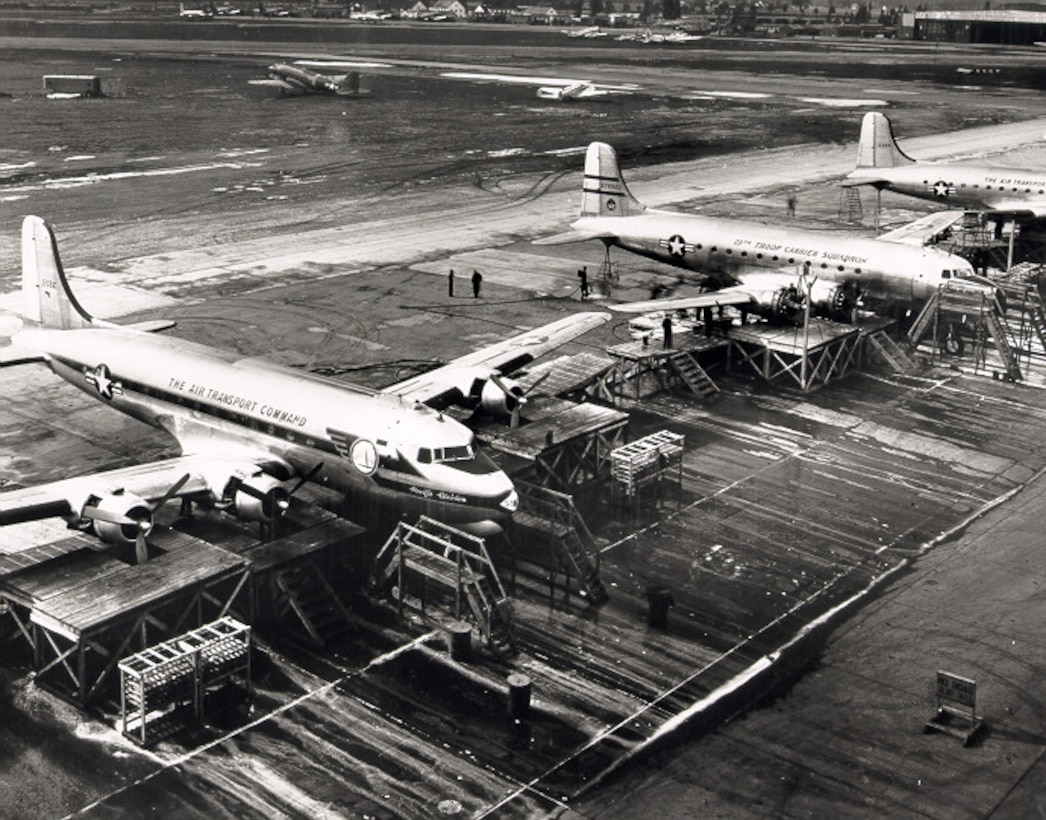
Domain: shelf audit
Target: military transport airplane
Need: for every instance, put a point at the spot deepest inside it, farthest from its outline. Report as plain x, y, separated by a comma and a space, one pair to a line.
754, 266
883, 165
251, 433
549, 88
292, 79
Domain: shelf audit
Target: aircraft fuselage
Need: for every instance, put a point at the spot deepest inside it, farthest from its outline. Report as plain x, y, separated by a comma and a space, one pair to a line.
374, 448
724, 249
968, 187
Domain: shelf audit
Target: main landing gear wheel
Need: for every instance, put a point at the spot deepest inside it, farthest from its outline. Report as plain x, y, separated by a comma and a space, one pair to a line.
952, 344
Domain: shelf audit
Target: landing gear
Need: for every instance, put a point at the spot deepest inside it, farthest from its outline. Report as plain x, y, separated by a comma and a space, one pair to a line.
952, 343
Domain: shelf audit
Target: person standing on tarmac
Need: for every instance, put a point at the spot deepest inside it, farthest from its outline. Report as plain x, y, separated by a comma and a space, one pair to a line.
477, 279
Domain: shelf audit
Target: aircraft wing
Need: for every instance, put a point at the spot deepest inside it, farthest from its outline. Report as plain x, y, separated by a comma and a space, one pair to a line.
282, 85
174, 477
736, 295
503, 357
923, 230
69, 496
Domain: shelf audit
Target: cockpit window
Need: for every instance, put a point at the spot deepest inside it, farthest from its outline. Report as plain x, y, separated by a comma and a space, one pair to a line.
946, 274
440, 455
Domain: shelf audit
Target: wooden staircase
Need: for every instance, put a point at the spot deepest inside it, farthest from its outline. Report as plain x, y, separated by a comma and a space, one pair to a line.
692, 374
891, 352
552, 517
305, 591
455, 561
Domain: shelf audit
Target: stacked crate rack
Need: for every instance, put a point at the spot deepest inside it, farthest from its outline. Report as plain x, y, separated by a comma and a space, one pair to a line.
647, 460
164, 688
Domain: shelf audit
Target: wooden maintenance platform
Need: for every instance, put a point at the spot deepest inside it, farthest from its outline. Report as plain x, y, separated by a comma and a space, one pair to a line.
776, 353
84, 610
579, 377
562, 445
643, 368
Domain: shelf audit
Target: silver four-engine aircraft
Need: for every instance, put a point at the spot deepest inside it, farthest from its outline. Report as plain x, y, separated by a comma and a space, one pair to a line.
755, 266
251, 432
292, 79
883, 165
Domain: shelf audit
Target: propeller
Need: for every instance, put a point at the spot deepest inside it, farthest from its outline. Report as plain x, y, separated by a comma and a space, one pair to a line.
142, 524
277, 501
516, 398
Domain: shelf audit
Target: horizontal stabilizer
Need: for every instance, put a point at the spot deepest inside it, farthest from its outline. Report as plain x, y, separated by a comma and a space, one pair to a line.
571, 238
150, 326
10, 356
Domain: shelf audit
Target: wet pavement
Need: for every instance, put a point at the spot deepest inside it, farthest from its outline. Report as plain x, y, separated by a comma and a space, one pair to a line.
791, 506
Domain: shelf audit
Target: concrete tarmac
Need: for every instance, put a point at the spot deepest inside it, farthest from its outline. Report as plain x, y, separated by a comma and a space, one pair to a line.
847, 739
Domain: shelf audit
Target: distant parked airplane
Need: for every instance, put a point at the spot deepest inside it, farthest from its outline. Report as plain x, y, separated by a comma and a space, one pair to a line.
883, 165
549, 88
194, 14
291, 79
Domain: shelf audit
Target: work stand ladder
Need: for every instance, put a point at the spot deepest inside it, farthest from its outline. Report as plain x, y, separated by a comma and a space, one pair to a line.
457, 562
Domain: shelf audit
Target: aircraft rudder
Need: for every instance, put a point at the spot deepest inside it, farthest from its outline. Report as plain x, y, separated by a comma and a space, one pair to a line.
604, 192
878, 148
49, 302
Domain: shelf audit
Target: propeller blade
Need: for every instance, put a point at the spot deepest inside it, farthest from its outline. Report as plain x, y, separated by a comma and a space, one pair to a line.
539, 380
171, 493
244, 487
141, 547
305, 478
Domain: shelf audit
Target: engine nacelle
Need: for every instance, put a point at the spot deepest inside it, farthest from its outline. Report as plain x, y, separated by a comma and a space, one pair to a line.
832, 299
779, 303
484, 389
258, 498
122, 505
501, 398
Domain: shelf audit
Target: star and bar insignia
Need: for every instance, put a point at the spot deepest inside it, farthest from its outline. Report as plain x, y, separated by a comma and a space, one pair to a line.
942, 189
101, 379
676, 245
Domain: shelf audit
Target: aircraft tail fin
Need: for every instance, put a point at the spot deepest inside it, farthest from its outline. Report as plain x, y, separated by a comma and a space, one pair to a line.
350, 83
604, 192
878, 148
49, 302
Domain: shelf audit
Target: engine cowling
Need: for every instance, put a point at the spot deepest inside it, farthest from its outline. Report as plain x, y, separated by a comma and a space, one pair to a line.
122, 506
779, 303
500, 398
487, 390
832, 299
259, 497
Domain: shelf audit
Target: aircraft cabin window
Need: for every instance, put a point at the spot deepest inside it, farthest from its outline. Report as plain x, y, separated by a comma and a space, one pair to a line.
775, 258
758, 256
424, 456
712, 249
857, 270
841, 267
824, 265
987, 187
728, 251
744, 253
791, 261
699, 246
946, 274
